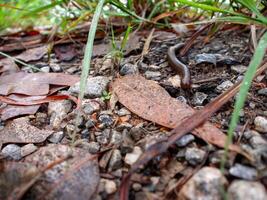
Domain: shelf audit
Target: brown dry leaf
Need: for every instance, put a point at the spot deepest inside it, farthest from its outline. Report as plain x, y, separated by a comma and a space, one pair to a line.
8, 66
24, 100
65, 52
14, 177
20, 131
12, 111
74, 178
32, 54
34, 83
151, 102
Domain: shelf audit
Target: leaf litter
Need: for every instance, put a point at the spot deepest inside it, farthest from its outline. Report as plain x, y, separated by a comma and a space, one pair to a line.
152, 102
53, 172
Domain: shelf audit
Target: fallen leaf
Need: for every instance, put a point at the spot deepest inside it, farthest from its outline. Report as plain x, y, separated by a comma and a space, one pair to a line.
152, 102
32, 54
23, 100
21, 131
65, 52
8, 66
14, 177
12, 111
75, 178
34, 83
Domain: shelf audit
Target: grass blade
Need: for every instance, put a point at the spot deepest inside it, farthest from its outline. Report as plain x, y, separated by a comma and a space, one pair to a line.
89, 49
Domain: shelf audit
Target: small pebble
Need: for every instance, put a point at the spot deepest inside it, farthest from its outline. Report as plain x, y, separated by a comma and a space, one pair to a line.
263, 91
115, 161
128, 68
103, 137
261, 124
123, 112
244, 172
245, 190
185, 140
224, 86
95, 87
90, 106
28, 149
109, 186
56, 137
132, 157
57, 111
194, 155
45, 69
199, 98
206, 184
12, 151
55, 67
105, 120
153, 75
116, 138
239, 69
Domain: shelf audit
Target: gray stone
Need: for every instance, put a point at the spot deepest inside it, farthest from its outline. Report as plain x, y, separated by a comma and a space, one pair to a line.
244, 172
263, 91
116, 138
153, 75
127, 142
45, 69
90, 106
57, 111
115, 161
109, 186
260, 124
93, 147
199, 98
56, 137
185, 140
131, 158
90, 123
256, 141
95, 87
194, 155
206, 58
123, 112
55, 67
240, 190
105, 120
206, 184
224, 86
103, 137
128, 68
12, 151
137, 132
239, 69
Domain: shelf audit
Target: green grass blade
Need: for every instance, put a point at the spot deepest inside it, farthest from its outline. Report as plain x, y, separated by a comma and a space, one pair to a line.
125, 38
239, 20
43, 8
89, 49
252, 6
246, 83
207, 7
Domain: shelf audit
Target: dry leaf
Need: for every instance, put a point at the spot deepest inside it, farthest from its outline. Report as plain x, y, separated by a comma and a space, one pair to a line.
8, 66
34, 83
12, 111
14, 177
150, 101
75, 178
20, 131
32, 54
65, 52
